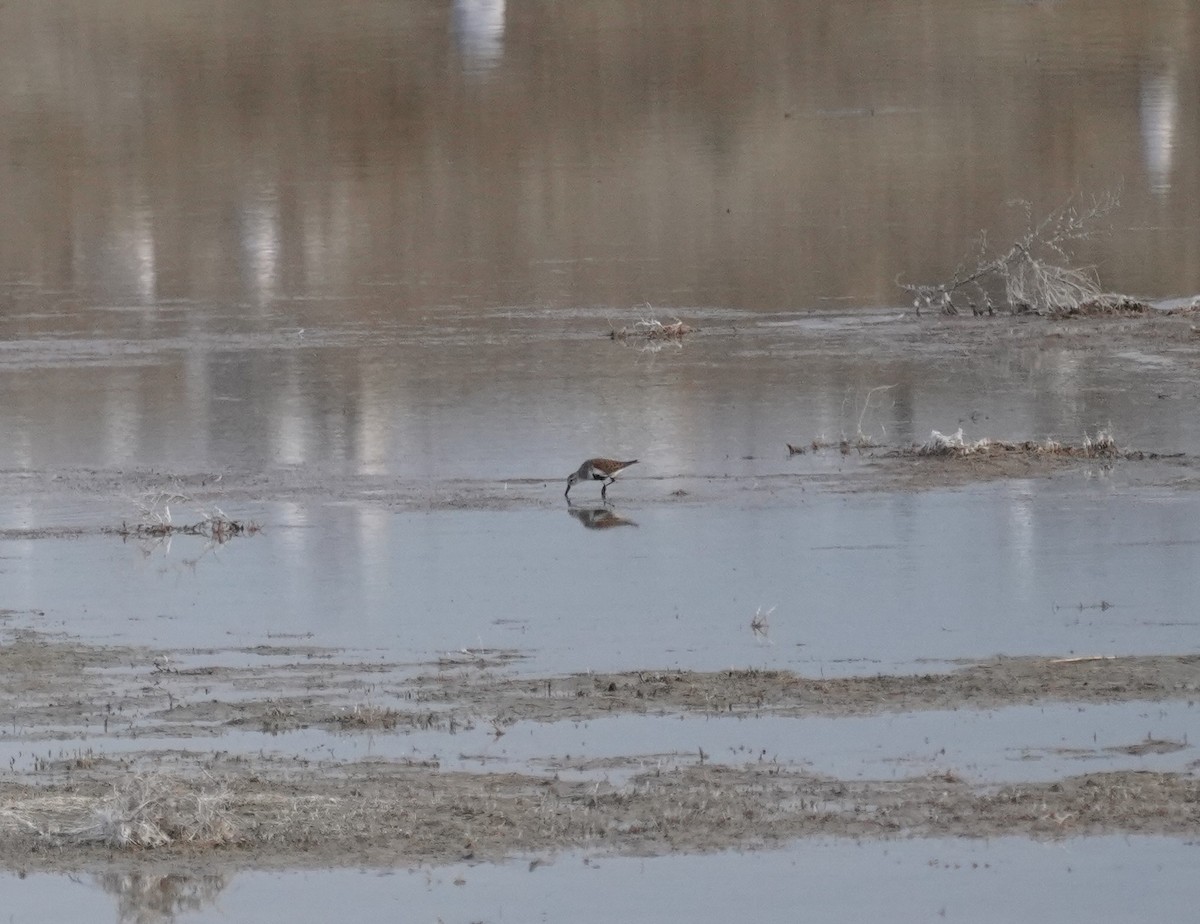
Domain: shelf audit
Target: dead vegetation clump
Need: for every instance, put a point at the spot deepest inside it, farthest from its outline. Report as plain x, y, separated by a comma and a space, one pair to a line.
215, 527
1109, 305
147, 810
157, 522
955, 446
652, 330
999, 456
1035, 274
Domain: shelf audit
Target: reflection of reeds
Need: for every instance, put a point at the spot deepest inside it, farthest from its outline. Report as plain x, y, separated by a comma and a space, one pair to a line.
760, 624
144, 898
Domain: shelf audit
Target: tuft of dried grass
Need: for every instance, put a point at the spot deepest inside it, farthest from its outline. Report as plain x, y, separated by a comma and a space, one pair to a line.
149, 810
365, 717
649, 328
861, 440
1102, 446
157, 522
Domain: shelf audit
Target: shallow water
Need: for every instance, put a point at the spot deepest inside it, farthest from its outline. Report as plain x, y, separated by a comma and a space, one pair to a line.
1101, 878
847, 583
365, 260
1011, 745
514, 399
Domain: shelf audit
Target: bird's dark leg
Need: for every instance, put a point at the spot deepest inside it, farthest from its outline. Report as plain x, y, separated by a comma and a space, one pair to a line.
604, 488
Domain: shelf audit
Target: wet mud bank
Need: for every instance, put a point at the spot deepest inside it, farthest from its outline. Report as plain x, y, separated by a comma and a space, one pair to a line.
260, 816
160, 771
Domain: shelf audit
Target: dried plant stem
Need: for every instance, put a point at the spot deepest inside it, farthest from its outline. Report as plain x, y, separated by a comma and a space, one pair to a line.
1034, 274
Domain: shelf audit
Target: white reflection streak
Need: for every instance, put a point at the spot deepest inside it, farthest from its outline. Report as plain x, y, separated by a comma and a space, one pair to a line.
289, 513
1159, 111
328, 230
1022, 537
129, 253
371, 432
290, 446
20, 581
479, 31
296, 589
290, 431
140, 244
121, 416
260, 242
374, 555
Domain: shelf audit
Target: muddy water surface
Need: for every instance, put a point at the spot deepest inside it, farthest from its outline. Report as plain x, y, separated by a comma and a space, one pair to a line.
350, 277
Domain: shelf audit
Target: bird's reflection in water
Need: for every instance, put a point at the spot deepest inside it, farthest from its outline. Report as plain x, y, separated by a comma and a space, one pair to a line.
598, 517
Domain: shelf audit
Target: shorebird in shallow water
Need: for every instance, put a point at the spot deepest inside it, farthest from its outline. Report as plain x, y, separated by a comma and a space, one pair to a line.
605, 470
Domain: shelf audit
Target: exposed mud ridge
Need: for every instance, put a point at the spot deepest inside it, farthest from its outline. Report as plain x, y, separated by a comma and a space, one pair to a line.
59, 688
388, 813
1003, 682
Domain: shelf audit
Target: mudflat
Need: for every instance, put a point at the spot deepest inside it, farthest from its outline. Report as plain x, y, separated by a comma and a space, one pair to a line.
191, 799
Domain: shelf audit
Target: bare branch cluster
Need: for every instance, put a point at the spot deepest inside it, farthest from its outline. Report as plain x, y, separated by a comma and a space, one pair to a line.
1035, 273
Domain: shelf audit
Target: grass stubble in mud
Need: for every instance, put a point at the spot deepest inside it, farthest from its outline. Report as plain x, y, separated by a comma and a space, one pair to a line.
189, 802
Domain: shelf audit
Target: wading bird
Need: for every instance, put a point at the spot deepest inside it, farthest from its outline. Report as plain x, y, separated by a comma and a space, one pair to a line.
605, 470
